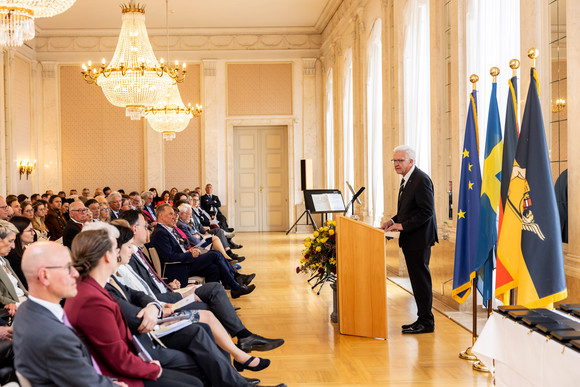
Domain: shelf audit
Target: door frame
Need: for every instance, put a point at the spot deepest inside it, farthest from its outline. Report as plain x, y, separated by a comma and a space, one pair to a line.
289, 123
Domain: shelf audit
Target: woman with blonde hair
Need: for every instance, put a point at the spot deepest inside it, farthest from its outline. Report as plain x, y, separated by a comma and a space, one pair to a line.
40, 209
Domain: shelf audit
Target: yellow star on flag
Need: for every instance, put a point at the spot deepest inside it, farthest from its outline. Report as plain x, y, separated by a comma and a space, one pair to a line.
465, 153
469, 166
470, 185
461, 214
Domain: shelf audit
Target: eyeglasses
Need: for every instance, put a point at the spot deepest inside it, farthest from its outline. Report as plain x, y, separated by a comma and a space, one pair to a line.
83, 210
3, 207
398, 161
68, 267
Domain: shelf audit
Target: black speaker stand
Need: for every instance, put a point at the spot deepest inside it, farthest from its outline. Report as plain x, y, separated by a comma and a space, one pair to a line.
308, 216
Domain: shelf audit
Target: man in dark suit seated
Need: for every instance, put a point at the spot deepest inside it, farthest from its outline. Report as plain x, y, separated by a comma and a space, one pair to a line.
78, 217
115, 200
172, 248
212, 295
47, 352
211, 204
416, 221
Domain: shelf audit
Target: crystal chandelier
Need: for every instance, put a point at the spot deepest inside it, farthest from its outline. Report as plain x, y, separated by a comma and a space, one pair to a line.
17, 18
134, 79
170, 116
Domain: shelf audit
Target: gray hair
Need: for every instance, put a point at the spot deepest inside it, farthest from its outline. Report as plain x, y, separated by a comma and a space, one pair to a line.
7, 228
113, 195
409, 151
147, 194
109, 228
183, 207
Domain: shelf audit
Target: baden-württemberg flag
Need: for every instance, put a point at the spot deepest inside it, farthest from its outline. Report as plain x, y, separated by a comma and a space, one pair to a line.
489, 201
467, 208
531, 221
503, 280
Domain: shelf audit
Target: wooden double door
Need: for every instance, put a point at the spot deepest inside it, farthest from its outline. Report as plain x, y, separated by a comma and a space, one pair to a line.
261, 178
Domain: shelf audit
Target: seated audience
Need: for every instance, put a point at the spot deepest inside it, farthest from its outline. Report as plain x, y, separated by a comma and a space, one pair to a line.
24, 238
12, 291
107, 191
149, 208
93, 206
64, 209
27, 210
3, 208
172, 193
78, 217
171, 247
13, 202
54, 220
40, 210
104, 212
115, 201
47, 352
98, 320
126, 204
165, 199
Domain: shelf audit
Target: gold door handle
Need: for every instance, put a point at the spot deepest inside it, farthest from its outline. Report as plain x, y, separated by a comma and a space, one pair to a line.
261, 188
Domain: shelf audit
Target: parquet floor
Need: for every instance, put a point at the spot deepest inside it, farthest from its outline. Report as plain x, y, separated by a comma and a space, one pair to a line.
315, 354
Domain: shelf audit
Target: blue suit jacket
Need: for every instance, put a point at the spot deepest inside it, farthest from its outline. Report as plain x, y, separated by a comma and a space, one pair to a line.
167, 246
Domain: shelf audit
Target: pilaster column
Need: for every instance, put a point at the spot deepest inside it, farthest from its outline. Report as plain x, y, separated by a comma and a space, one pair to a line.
311, 135
359, 61
49, 161
3, 169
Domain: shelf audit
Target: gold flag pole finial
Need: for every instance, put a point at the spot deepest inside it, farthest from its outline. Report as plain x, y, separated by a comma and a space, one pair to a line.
473, 79
514, 65
533, 53
494, 71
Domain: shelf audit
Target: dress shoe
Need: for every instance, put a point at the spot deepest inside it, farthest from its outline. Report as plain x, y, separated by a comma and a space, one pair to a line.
235, 256
252, 381
245, 279
407, 326
258, 343
234, 245
264, 363
244, 289
418, 328
277, 385
237, 267
230, 229
229, 235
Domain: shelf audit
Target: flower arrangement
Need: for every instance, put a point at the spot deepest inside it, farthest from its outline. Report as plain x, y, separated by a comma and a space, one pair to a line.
319, 258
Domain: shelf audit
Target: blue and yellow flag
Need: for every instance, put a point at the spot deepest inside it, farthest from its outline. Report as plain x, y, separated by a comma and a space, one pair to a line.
531, 222
489, 201
467, 208
503, 280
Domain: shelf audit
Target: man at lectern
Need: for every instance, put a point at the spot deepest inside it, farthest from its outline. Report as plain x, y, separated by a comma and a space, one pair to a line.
416, 221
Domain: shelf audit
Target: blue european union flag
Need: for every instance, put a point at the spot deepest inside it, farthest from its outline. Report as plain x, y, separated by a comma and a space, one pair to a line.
467, 208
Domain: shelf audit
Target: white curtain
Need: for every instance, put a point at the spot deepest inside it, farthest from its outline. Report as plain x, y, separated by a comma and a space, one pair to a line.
375, 125
329, 131
416, 81
347, 126
493, 39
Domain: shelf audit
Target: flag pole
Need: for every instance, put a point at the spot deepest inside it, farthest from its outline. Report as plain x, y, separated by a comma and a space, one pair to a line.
514, 65
467, 354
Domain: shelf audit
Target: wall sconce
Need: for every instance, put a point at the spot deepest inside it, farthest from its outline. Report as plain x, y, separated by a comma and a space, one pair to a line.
560, 105
28, 168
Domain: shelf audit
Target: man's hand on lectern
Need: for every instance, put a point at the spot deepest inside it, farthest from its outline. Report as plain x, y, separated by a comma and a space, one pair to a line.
387, 224
395, 227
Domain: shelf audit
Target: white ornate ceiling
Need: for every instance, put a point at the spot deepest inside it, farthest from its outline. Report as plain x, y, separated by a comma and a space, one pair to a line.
103, 17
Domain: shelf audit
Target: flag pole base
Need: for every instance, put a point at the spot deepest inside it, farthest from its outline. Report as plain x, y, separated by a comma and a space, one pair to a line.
480, 367
467, 355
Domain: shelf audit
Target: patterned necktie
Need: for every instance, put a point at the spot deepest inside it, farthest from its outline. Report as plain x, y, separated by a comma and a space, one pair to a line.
66, 322
401, 188
152, 272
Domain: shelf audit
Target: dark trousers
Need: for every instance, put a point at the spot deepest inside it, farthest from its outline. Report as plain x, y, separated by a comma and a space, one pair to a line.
216, 298
420, 276
211, 265
200, 345
171, 378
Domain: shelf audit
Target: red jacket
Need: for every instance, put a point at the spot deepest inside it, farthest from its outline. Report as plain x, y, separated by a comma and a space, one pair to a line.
99, 322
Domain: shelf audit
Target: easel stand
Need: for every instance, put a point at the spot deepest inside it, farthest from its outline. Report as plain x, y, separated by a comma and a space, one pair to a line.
308, 216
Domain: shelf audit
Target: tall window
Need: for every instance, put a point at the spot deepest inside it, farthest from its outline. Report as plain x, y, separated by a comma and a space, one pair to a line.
347, 123
329, 131
375, 125
493, 39
417, 78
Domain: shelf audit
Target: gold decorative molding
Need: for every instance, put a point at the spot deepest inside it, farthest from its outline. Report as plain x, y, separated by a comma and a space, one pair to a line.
309, 66
48, 69
209, 67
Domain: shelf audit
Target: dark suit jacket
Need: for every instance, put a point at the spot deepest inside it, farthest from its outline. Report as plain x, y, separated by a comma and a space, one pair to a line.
131, 302
189, 232
113, 216
146, 275
416, 212
201, 218
16, 264
208, 202
167, 246
98, 320
50, 354
70, 232
55, 223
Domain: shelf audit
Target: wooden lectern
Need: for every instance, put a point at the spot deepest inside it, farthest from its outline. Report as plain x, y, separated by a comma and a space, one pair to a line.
362, 279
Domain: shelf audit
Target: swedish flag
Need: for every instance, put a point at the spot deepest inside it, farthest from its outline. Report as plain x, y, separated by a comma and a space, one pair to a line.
531, 221
468, 208
489, 201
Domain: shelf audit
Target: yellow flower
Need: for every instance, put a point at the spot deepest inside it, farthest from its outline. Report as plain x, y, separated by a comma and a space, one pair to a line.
323, 240
331, 223
330, 232
318, 248
307, 240
307, 244
325, 228
315, 234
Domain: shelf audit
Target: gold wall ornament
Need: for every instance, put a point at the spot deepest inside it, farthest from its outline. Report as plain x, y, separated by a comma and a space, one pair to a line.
560, 105
134, 79
473, 78
494, 72
26, 168
533, 54
17, 18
